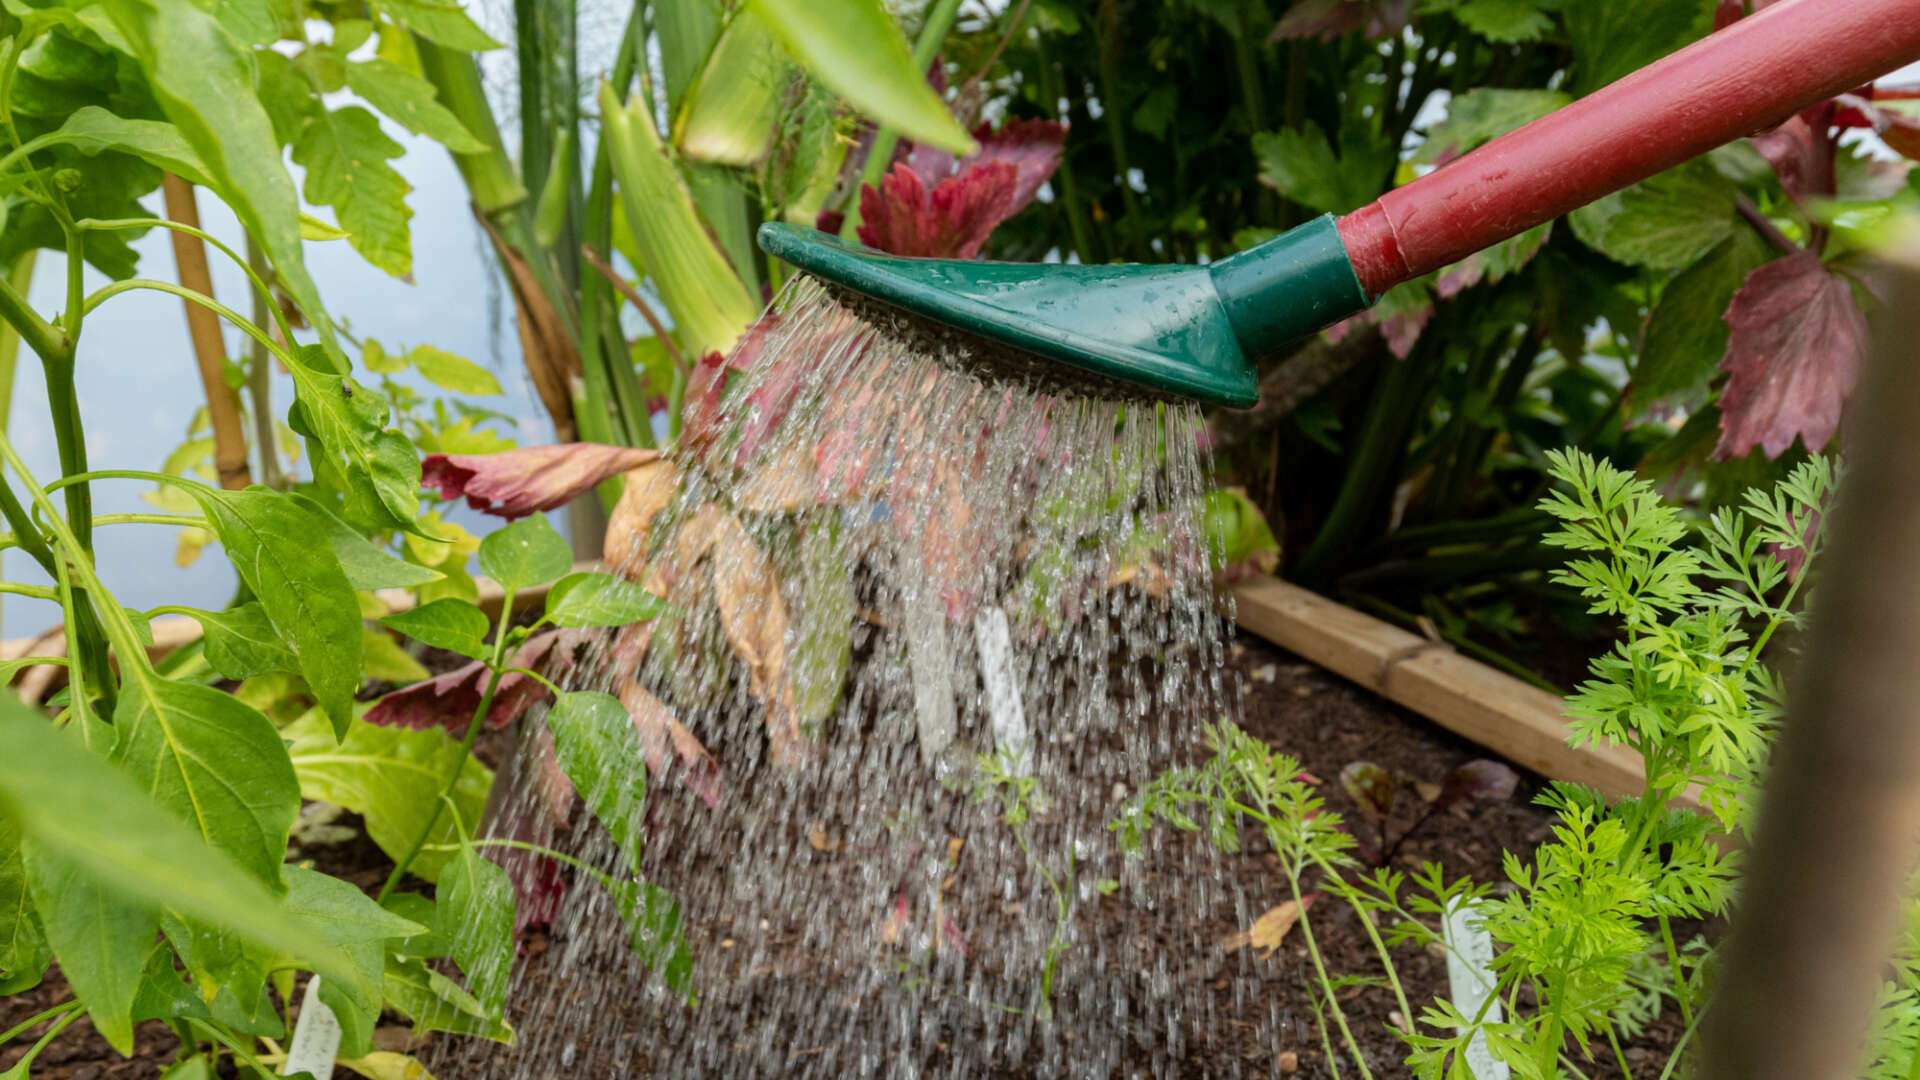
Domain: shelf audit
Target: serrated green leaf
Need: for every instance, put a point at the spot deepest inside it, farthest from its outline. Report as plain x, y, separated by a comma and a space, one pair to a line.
1687, 332
856, 48
376, 470
447, 623
1504, 21
391, 777
475, 904
450, 372
442, 21
242, 642
1666, 223
591, 598
366, 564
270, 537
1614, 39
525, 553
599, 750
345, 155
386, 661
92, 130
1300, 164
1481, 115
409, 100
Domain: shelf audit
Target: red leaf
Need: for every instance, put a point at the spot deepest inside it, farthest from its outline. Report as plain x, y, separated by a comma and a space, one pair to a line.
1795, 353
1728, 12
1031, 146
1801, 154
449, 701
515, 483
1328, 19
953, 221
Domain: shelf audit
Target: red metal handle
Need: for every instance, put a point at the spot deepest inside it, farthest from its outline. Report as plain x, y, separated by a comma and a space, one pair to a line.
1739, 81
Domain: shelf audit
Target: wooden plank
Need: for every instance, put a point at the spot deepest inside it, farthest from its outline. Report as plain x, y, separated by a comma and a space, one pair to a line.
1519, 721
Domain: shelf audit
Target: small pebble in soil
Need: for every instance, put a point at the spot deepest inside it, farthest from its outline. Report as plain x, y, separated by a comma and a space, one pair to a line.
1289, 1061
1266, 672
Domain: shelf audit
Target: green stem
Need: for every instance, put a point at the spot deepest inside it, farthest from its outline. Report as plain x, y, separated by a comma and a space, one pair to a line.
496, 663
260, 373
1681, 991
125, 474
253, 272
108, 292
1326, 982
185, 521
53, 1033
40, 335
38, 592
604, 878
1379, 946
933, 32
36, 1020
25, 533
1613, 1041
1673, 1059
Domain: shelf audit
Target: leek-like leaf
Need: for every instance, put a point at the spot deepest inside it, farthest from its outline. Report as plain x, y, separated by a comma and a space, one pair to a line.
730, 109
709, 303
551, 213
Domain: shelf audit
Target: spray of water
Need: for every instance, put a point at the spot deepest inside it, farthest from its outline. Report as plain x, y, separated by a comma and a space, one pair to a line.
934, 630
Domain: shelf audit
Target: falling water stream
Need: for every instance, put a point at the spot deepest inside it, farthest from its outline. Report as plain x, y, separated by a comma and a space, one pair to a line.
886, 567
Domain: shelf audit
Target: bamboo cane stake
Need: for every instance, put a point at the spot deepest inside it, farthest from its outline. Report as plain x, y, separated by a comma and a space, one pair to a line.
223, 405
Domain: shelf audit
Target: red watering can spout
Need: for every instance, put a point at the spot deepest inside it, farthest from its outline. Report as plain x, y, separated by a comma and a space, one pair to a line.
1739, 81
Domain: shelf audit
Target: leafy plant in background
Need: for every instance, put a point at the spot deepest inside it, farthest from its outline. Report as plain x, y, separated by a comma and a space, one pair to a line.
1587, 949
1373, 789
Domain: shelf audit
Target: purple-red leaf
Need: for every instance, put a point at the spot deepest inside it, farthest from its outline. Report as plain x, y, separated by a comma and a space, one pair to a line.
449, 701
1370, 786
1032, 147
935, 205
1477, 779
1797, 345
515, 483
1327, 19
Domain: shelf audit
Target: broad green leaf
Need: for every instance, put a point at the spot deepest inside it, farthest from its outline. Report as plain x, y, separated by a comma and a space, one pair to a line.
1300, 164
686, 30
710, 305
391, 777
427, 944
475, 903
1666, 223
384, 659
1479, 116
376, 358
525, 553
436, 1003
409, 100
729, 112
357, 929
447, 623
656, 933
99, 935
91, 130
271, 539
1687, 332
377, 470
450, 372
193, 1068
599, 750
204, 80
856, 48
591, 598
214, 763
439, 20
242, 642
1617, 38
103, 856
366, 564
1504, 21
23, 948
345, 155
1238, 536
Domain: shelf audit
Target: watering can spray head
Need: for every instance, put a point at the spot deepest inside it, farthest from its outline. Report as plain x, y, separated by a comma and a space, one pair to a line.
1196, 332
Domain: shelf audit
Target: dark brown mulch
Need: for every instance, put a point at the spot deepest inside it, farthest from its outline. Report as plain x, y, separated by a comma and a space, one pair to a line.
1297, 708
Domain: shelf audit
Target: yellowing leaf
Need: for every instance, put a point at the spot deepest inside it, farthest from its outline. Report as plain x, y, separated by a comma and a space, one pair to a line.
312, 228
386, 1065
450, 372
1269, 930
648, 489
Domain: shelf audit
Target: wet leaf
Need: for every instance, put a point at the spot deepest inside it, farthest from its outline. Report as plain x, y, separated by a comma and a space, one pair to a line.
1797, 347
524, 554
1480, 778
475, 904
386, 1065
454, 625
649, 488
1240, 541
755, 620
1270, 929
1370, 786
596, 745
591, 598
668, 748
656, 932
436, 1003
516, 483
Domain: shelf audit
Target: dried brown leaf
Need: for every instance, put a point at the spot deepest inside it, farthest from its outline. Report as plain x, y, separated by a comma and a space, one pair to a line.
629, 528
1269, 930
754, 617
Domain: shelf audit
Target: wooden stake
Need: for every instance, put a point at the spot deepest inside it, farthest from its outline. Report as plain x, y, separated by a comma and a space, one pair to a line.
223, 405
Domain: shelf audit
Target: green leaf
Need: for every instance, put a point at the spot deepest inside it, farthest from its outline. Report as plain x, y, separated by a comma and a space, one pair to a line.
656, 933
1238, 535
525, 553
1504, 21
204, 80
391, 777
823, 628
475, 902
1300, 164
214, 763
1687, 333
447, 623
271, 539
857, 50
386, 661
345, 154
591, 598
599, 750
1479, 116
356, 929
23, 948
193, 1068
242, 642
439, 20
1615, 39
92, 130
312, 228
377, 470
366, 564
409, 100
1666, 223
710, 305
103, 856
436, 1003
427, 944
455, 373
729, 112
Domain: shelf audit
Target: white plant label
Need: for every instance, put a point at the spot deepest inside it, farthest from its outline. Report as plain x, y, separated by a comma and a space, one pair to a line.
1471, 983
316, 1036
932, 664
1004, 710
